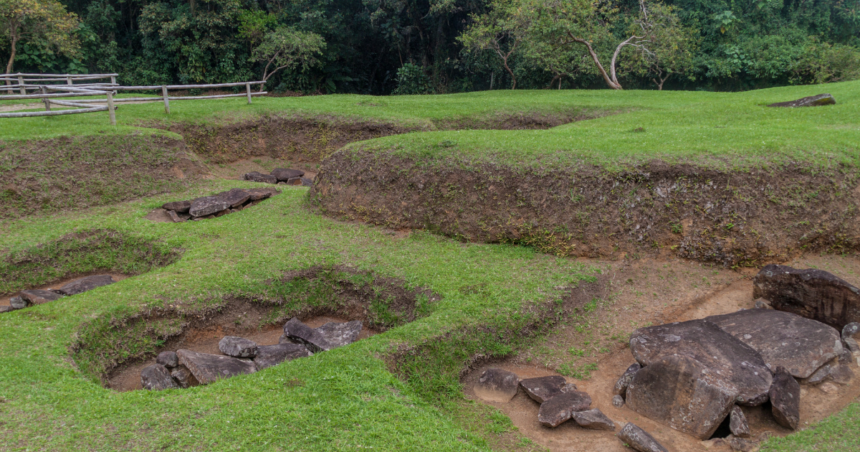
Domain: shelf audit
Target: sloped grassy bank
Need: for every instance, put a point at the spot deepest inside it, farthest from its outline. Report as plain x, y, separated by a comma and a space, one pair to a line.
734, 216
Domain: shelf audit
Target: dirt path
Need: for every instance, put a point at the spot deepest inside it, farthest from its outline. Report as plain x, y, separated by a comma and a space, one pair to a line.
593, 357
16, 107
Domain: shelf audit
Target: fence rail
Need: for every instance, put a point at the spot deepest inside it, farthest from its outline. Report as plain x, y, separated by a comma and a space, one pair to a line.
108, 90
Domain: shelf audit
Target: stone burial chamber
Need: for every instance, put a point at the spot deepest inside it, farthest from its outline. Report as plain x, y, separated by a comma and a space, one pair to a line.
694, 375
282, 176
187, 368
34, 297
216, 205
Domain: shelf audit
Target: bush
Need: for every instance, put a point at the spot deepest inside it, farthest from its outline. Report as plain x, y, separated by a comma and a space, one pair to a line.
412, 80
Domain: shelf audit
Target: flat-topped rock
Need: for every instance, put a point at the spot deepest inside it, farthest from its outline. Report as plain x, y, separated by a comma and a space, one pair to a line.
4, 309
738, 424
340, 334
682, 393
811, 101
497, 385
208, 368
235, 197
271, 355
284, 174
156, 378
312, 338
784, 339
257, 194
810, 293
593, 419
560, 408
85, 284
18, 303
167, 359
639, 439
178, 206
208, 205
729, 363
541, 389
624, 381
785, 399
255, 176
183, 377
39, 296
237, 347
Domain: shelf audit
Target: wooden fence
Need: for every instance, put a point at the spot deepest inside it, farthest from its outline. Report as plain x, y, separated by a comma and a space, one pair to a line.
50, 94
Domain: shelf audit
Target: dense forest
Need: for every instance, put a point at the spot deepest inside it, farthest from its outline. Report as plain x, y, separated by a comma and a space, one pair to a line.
439, 46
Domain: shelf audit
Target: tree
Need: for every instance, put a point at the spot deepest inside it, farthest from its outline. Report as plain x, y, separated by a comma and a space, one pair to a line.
287, 48
45, 23
501, 30
670, 48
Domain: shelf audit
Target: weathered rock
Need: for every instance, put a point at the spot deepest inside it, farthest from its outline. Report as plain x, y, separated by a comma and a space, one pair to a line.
617, 401
851, 335
741, 444
593, 419
295, 181
841, 373
810, 293
178, 206
255, 176
18, 303
639, 439
270, 355
497, 385
785, 399
235, 197
340, 334
312, 339
85, 284
307, 182
257, 194
6, 309
761, 303
820, 375
560, 408
208, 368
156, 378
624, 381
167, 359
183, 377
39, 296
731, 365
738, 423
541, 389
784, 339
683, 394
283, 174
207, 205
811, 101
237, 347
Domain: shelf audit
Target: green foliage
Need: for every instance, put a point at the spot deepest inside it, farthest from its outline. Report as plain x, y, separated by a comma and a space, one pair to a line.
412, 80
44, 25
288, 48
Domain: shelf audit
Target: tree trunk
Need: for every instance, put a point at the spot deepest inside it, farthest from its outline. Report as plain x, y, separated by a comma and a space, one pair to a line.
513, 78
609, 81
11, 62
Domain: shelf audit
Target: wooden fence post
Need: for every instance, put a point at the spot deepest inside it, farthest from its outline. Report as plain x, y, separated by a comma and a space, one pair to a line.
166, 100
248, 90
68, 80
110, 108
21, 82
45, 99
113, 80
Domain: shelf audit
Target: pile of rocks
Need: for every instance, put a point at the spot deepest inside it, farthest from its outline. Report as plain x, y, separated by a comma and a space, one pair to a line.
280, 176
692, 375
217, 205
39, 296
186, 368
559, 402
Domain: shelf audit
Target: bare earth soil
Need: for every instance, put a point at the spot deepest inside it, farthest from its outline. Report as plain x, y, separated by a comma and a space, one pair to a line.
642, 293
4, 299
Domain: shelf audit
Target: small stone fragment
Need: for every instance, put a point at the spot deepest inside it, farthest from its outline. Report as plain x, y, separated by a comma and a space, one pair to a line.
593, 419
295, 181
340, 334
741, 444
156, 378
313, 339
167, 359
307, 182
175, 216
851, 334
541, 389
208, 368
178, 206
39, 296
624, 381
738, 423
237, 347
183, 377
85, 284
560, 408
828, 388
270, 355
497, 385
785, 399
283, 174
18, 303
255, 176
639, 439
761, 303
617, 401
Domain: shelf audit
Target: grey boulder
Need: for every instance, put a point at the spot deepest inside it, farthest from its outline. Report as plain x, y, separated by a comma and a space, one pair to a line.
560, 408
208, 205
728, 363
177, 206
237, 347
784, 339
271, 355
235, 197
738, 424
617, 401
18, 303
257, 194
255, 176
208, 368
785, 399
811, 101
639, 439
624, 381
167, 359
39, 296
541, 389
183, 377
156, 378
593, 419
85, 284
497, 385
340, 334
6, 309
284, 174
312, 338
851, 335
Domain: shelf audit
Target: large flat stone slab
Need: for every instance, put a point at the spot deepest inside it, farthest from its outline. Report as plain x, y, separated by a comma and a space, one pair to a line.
497, 385
285, 174
810, 293
237, 347
731, 365
157, 378
682, 393
207, 205
85, 284
339, 334
811, 101
312, 338
235, 197
785, 399
560, 408
272, 355
541, 389
208, 368
784, 339
39, 296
